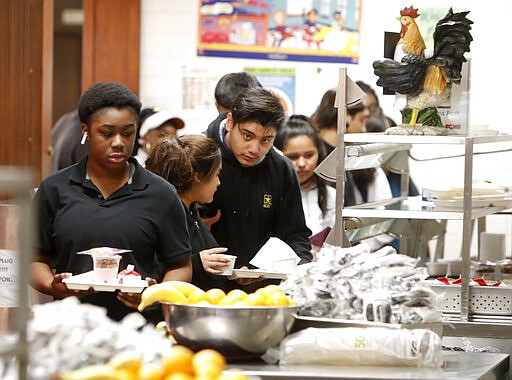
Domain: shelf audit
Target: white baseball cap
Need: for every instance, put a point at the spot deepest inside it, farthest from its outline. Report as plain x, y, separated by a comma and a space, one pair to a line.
158, 119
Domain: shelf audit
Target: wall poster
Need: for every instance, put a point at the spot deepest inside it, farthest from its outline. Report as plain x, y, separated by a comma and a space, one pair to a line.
279, 80
295, 30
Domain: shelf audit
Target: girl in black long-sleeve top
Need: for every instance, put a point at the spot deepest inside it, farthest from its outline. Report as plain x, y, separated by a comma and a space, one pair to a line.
192, 163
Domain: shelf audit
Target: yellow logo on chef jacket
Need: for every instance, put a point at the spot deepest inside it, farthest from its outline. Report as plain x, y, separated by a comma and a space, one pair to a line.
267, 200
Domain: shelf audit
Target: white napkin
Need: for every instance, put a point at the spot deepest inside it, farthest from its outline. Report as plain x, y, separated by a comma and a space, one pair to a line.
276, 256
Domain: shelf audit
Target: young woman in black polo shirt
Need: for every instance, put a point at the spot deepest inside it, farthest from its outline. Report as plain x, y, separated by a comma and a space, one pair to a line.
108, 199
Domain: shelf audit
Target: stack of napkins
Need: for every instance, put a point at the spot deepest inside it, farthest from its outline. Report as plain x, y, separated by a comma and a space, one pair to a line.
276, 256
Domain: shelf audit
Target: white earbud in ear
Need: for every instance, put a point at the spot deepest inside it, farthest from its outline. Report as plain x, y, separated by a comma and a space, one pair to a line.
84, 137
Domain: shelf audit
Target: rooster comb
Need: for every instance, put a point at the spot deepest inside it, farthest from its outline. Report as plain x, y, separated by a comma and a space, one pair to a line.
409, 11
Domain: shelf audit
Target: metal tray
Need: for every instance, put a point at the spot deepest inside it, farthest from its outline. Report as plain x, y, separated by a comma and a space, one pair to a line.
485, 300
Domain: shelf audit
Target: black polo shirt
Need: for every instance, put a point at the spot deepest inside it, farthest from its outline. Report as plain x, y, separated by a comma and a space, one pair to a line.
145, 216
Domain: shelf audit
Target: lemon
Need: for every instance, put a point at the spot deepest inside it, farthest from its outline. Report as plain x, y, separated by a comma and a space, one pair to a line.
277, 299
214, 295
197, 296
238, 294
228, 301
254, 299
270, 289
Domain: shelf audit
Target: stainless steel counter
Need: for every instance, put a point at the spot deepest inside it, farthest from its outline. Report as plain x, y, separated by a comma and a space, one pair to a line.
482, 326
457, 365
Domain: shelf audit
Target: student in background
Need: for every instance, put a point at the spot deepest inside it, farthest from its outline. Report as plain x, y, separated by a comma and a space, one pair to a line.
259, 195
192, 163
325, 120
299, 141
368, 184
109, 200
378, 122
227, 90
155, 125
230, 86
66, 141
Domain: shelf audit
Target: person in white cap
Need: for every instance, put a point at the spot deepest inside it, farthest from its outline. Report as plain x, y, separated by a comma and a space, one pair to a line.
155, 125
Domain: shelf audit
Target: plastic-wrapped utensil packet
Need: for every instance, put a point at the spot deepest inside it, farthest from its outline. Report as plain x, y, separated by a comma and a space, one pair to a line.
103, 251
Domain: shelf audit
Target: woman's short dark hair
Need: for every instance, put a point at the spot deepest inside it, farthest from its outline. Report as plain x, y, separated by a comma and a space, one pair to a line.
177, 160
258, 105
106, 95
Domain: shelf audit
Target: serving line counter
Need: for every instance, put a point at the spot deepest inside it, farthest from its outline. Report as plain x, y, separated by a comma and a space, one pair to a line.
457, 365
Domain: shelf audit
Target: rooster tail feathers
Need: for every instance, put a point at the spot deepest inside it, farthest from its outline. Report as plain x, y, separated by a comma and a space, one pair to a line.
452, 38
402, 77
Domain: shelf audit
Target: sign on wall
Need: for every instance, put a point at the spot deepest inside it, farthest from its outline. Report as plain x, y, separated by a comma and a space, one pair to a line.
296, 30
279, 80
8, 278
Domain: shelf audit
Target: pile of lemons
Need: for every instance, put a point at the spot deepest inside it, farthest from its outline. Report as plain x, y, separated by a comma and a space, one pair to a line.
186, 293
180, 363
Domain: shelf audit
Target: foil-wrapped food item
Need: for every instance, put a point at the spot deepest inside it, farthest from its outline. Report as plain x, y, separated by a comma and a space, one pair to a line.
66, 334
353, 283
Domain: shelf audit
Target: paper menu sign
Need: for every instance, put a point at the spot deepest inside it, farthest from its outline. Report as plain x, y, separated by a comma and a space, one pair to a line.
274, 254
8, 278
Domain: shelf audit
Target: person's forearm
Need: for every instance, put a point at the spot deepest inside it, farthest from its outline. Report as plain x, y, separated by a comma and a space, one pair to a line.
183, 273
41, 277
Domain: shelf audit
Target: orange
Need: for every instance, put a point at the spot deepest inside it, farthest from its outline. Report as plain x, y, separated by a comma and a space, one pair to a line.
127, 360
238, 294
233, 374
208, 363
214, 295
209, 355
197, 296
178, 359
149, 372
179, 376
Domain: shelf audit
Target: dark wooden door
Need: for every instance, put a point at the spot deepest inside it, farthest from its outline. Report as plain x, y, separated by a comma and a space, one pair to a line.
111, 42
26, 43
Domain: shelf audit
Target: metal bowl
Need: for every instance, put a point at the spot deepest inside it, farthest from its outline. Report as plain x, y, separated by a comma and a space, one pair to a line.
235, 332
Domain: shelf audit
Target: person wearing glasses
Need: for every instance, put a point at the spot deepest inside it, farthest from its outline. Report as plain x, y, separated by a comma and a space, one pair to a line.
259, 194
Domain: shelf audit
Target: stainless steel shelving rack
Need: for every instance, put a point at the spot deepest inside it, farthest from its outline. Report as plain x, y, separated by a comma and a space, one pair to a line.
19, 182
397, 208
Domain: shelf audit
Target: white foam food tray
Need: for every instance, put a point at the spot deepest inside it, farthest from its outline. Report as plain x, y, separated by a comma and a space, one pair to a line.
85, 281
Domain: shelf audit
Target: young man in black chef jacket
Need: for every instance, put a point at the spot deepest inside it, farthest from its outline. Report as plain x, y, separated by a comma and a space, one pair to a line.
259, 194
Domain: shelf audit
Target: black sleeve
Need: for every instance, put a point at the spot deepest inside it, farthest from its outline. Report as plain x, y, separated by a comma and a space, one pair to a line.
290, 225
